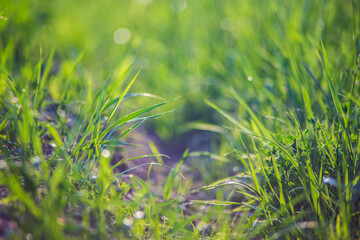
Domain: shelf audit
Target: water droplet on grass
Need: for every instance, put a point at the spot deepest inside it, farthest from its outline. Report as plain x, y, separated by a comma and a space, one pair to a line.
29, 236
127, 222
330, 181
106, 153
139, 214
36, 161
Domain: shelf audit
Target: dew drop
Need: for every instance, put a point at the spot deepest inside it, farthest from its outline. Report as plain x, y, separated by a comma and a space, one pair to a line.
106, 153
139, 214
127, 222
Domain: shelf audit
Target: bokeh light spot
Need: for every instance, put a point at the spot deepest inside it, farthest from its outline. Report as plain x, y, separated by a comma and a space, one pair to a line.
122, 36
226, 24
145, 2
178, 5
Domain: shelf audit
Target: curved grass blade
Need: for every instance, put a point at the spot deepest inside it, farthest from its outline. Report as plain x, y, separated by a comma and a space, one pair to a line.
227, 116
334, 95
225, 182
216, 202
208, 154
170, 181
129, 117
141, 165
252, 114
123, 160
122, 96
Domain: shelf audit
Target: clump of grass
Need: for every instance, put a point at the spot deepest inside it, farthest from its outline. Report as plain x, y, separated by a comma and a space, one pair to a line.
294, 117
57, 178
303, 180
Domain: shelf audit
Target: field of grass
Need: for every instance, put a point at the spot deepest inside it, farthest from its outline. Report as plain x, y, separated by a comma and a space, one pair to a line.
155, 119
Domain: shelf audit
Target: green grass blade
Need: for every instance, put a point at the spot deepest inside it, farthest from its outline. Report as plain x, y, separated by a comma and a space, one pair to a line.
129, 117
252, 114
307, 102
227, 116
155, 151
170, 181
122, 96
334, 95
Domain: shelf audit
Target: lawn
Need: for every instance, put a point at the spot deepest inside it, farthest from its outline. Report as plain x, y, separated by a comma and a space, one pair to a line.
179, 119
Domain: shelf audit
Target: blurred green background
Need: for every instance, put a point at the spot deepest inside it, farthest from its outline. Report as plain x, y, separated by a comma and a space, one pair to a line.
195, 50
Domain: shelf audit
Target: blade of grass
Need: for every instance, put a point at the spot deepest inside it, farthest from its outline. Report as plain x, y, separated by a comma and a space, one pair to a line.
227, 116
252, 114
170, 181
334, 95
122, 96
155, 151
129, 117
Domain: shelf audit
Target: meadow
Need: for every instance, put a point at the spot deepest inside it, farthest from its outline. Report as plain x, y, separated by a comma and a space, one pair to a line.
155, 119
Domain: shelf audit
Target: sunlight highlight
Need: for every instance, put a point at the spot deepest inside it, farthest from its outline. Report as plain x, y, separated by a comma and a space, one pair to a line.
122, 36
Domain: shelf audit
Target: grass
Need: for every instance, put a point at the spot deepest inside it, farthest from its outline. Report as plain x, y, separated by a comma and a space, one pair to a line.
306, 176
264, 142
56, 162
